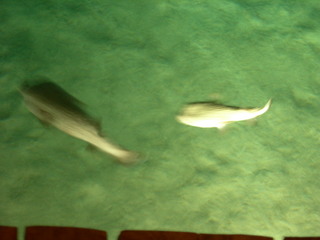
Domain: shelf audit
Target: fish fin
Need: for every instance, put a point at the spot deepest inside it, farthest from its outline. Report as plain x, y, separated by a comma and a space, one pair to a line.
46, 117
97, 124
224, 130
44, 123
215, 97
252, 122
91, 148
222, 125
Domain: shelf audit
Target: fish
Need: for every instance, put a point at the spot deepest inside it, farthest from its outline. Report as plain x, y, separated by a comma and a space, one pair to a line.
212, 115
54, 106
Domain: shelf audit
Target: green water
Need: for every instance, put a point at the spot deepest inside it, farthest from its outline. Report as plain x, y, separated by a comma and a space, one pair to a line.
135, 64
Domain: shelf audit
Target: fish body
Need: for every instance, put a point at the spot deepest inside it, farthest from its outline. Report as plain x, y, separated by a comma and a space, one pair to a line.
53, 106
210, 115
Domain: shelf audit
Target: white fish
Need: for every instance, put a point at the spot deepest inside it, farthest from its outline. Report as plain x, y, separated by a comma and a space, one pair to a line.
210, 115
52, 105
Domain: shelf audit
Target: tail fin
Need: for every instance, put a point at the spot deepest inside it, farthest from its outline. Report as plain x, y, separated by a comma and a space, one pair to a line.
264, 109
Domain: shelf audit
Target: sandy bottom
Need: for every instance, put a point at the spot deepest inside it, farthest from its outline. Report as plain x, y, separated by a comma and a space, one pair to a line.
135, 64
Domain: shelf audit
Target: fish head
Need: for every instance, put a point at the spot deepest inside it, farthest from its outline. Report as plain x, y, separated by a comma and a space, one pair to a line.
37, 107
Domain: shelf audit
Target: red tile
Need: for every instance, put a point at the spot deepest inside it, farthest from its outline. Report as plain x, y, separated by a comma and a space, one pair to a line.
63, 233
231, 237
8, 233
302, 238
156, 235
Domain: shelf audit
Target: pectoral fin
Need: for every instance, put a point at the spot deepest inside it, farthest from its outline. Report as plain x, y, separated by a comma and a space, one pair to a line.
221, 125
91, 148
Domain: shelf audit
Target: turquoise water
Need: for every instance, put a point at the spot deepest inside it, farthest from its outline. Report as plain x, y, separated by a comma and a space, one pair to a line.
135, 64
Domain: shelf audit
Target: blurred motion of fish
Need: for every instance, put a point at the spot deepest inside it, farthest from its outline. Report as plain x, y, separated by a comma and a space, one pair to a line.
54, 106
210, 114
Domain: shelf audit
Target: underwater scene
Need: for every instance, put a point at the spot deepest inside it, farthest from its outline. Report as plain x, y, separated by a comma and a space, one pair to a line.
175, 115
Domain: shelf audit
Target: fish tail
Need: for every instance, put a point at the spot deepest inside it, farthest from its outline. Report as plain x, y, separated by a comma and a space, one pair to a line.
266, 107
257, 112
122, 155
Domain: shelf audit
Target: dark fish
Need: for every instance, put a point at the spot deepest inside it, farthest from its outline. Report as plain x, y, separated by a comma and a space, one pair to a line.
54, 106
